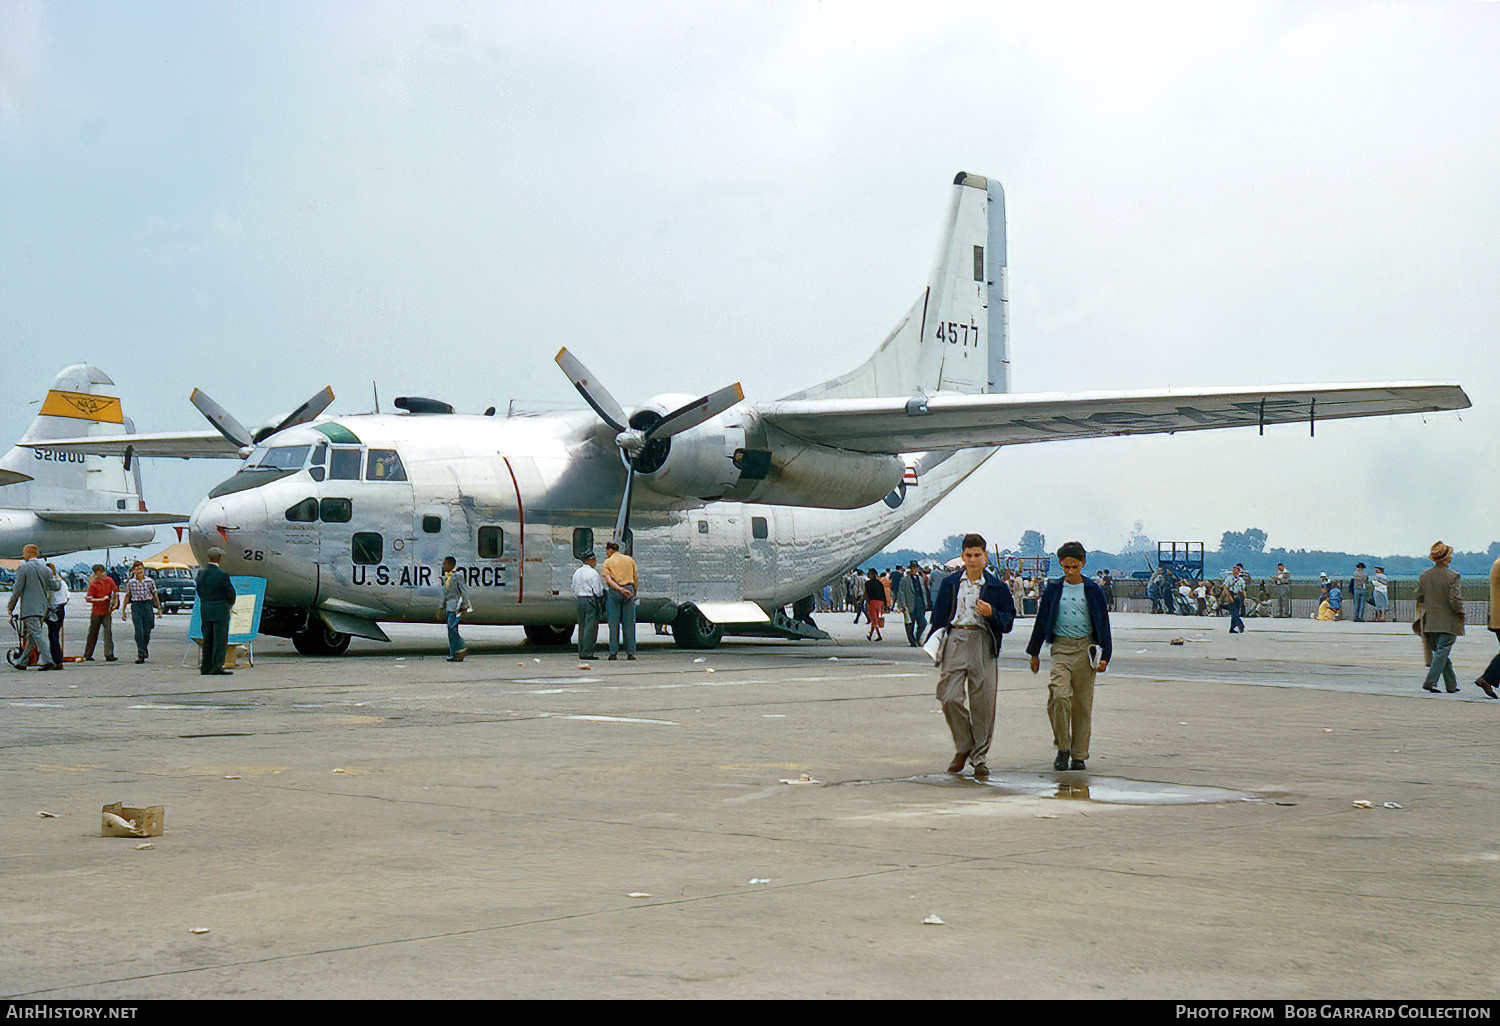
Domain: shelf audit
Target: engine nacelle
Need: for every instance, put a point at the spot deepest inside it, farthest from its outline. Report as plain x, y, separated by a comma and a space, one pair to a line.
735, 456
699, 463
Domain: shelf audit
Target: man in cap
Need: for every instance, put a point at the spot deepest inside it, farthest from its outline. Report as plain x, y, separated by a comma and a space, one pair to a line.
1359, 591
588, 595
215, 598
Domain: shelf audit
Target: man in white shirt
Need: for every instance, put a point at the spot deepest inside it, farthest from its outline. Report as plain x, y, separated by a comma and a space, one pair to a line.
1236, 588
976, 610
1283, 583
588, 595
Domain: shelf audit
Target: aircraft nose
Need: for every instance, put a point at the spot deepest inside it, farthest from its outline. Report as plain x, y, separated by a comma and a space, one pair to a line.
207, 528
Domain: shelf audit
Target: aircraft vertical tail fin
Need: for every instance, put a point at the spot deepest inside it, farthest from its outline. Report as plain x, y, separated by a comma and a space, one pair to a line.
955, 338
81, 401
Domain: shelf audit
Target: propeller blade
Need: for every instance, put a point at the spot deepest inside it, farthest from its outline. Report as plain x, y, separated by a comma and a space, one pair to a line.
307, 411
622, 522
696, 412
221, 419
595, 394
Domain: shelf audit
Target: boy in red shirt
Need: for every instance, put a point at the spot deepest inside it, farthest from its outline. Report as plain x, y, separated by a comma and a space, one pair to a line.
103, 598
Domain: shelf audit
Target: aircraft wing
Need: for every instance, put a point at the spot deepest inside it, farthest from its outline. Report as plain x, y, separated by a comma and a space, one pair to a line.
110, 517
954, 421
186, 444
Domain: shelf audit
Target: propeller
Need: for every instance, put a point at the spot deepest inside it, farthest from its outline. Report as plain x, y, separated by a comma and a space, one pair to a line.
239, 435
633, 442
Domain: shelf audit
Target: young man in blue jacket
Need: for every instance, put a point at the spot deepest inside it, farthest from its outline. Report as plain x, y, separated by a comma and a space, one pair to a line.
976, 610
1074, 617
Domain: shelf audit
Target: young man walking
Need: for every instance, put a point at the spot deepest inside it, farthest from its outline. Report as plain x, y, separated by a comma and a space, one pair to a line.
1236, 588
976, 610
455, 604
1072, 615
103, 597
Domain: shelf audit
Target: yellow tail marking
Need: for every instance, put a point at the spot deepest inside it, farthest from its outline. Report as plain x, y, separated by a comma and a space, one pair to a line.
82, 406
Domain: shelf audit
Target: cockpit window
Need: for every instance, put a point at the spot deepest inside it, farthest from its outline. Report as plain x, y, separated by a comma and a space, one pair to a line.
384, 465
344, 465
285, 457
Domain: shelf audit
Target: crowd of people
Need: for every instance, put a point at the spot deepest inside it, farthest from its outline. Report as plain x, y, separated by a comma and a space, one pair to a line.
1366, 596
39, 599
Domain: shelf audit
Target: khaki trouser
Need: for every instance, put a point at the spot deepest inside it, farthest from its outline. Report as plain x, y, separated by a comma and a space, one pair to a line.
100, 625
1070, 696
968, 668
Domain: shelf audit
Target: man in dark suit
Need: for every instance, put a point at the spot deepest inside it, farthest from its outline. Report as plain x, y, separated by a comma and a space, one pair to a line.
976, 610
215, 599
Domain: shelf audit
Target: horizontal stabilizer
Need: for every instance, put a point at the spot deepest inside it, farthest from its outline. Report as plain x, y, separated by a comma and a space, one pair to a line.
949, 421
9, 477
110, 518
183, 444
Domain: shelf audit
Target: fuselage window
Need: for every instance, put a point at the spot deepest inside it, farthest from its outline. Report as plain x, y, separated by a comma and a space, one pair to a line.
344, 465
305, 512
384, 465
758, 528
432, 525
336, 511
703, 527
583, 541
491, 542
286, 457
367, 547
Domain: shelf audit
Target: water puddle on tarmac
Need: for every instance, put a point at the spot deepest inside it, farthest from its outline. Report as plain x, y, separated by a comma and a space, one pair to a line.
1074, 786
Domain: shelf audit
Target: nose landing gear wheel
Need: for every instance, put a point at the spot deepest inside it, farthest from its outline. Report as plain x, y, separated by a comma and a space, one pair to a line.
547, 635
320, 639
690, 630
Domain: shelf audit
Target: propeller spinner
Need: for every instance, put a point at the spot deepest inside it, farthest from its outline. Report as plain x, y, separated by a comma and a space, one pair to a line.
633, 442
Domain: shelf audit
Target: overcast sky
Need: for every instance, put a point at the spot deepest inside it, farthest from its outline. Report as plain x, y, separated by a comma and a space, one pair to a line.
261, 199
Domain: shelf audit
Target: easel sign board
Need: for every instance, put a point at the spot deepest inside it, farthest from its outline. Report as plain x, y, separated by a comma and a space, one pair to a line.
244, 618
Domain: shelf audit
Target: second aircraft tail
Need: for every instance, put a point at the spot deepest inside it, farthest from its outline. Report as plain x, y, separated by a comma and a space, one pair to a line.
82, 400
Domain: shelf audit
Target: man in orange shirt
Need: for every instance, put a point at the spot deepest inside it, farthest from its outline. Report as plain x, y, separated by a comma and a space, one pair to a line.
620, 583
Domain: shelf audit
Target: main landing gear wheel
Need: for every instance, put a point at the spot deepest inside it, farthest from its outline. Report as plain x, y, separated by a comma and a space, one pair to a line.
546, 635
320, 639
691, 630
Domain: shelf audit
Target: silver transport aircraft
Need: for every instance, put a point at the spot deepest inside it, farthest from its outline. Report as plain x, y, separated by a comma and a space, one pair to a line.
740, 508
65, 501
